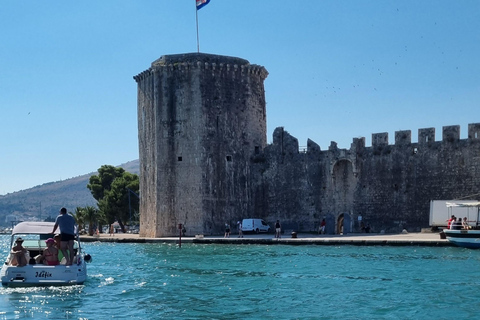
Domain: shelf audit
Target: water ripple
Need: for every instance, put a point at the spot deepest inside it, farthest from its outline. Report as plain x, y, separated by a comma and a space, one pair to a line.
162, 281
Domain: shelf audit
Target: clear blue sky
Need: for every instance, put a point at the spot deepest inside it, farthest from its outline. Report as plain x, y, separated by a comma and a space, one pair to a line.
337, 70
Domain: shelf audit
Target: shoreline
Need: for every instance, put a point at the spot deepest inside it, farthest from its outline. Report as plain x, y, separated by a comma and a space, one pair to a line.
359, 239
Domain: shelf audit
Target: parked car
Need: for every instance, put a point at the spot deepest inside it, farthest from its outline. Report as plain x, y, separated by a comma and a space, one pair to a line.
255, 225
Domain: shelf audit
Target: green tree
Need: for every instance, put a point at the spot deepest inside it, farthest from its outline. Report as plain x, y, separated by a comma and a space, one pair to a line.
111, 189
79, 215
101, 184
88, 215
92, 216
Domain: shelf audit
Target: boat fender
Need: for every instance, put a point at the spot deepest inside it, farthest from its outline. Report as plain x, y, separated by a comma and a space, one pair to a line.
87, 258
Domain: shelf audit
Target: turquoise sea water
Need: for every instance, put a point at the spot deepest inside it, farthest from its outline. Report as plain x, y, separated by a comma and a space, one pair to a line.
162, 281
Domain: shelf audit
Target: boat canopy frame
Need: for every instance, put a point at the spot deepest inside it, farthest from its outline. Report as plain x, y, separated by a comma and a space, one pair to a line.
475, 204
38, 228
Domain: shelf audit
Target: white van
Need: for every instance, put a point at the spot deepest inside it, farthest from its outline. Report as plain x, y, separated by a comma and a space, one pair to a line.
255, 225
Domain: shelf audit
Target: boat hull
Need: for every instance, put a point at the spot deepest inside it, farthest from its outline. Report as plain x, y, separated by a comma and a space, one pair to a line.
42, 275
464, 238
33, 238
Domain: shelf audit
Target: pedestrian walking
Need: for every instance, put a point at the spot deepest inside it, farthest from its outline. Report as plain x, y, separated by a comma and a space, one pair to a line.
278, 229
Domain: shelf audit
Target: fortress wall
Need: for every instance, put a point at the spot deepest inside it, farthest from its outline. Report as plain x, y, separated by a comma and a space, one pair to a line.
285, 177
387, 189
390, 186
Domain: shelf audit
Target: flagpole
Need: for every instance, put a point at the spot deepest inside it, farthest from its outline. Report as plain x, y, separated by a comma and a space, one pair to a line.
196, 19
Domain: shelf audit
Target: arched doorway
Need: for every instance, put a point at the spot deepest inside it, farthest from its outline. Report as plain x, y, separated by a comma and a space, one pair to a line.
344, 222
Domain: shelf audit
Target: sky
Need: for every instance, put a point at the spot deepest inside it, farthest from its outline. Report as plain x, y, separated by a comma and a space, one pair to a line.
338, 70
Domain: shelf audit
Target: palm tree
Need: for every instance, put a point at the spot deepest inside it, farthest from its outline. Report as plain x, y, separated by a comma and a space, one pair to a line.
88, 215
80, 217
92, 216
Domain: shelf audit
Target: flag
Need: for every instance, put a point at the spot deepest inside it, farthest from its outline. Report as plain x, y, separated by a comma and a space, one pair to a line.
201, 3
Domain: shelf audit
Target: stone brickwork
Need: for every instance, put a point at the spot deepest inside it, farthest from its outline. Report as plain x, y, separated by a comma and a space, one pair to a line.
389, 186
204, 160
201, 118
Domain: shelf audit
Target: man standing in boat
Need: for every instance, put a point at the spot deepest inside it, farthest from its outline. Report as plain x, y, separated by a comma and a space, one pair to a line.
66, 222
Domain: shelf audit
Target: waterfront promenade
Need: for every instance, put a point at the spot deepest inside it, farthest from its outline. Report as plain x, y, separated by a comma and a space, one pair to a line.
363, 239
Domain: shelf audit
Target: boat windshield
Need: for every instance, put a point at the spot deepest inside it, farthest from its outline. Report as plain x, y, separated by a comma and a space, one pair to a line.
35, 241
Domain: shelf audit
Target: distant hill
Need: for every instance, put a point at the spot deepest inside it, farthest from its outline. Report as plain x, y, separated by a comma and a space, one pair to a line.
45, 200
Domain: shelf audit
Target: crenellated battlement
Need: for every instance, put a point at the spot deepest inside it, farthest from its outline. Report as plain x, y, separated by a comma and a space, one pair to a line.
474, 131
220, 66
380, 139
426, 136
143, 75
450, 134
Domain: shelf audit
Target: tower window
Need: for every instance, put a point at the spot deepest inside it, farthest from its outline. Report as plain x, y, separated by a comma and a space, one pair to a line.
229, 158
179, 159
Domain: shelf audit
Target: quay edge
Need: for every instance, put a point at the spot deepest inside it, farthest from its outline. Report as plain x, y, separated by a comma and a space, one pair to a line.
413, 239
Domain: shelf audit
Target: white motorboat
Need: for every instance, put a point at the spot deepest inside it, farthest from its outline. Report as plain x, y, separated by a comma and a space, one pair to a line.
466, 237
34, 235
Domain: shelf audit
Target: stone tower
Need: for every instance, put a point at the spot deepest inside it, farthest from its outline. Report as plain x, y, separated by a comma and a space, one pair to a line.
201, 119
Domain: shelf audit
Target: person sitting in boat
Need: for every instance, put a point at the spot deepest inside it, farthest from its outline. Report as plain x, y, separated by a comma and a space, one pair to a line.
18, 254
50, 253
450, 221
465, 224
456, 225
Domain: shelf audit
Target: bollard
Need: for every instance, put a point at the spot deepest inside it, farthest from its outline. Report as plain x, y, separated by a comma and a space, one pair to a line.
180, 235
294, 234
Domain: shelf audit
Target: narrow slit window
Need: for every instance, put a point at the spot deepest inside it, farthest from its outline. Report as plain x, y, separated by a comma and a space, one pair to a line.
229, 158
